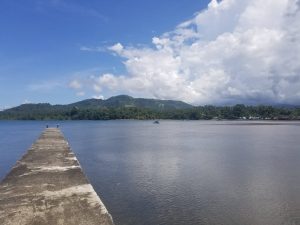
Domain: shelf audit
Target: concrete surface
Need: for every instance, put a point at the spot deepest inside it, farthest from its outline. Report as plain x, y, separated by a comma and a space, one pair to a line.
47, 186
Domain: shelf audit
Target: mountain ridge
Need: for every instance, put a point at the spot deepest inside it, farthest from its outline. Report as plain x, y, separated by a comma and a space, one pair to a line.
128, 101
127, 107
118, 101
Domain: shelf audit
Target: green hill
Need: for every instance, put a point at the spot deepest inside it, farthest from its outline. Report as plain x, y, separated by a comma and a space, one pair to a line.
126, 107
121, 101
117, 107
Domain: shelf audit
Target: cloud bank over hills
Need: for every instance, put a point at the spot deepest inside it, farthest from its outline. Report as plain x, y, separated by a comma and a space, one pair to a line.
234, 51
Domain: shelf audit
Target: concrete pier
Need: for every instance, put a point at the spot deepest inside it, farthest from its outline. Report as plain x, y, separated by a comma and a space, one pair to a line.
47, 186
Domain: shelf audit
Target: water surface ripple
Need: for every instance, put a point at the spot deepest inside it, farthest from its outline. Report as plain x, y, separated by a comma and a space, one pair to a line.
182, 172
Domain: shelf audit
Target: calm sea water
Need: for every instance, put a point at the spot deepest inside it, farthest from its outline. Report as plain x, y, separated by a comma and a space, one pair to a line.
181, 172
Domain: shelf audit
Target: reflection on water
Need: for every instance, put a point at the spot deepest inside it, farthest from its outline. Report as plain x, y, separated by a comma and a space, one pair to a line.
192, 172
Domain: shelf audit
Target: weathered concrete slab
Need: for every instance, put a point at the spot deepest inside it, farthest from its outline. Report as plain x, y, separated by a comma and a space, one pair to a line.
47, 186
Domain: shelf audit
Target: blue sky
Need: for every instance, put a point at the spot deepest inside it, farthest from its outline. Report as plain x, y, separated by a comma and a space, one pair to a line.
198, 51
40, 41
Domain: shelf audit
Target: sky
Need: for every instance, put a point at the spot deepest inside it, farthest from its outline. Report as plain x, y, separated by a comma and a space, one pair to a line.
198, 51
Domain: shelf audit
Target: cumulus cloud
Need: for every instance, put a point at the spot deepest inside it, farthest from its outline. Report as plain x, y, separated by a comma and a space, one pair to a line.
118, 48
234, 51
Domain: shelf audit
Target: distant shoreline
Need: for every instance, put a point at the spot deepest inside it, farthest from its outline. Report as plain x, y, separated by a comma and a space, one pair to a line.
216, 120
127, 107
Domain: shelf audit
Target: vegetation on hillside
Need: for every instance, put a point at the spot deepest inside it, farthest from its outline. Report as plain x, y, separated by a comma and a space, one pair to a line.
126, 107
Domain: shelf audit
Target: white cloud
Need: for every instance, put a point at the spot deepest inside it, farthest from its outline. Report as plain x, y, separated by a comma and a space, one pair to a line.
98, 96
118, 48
80, 93
97, 88
234, 51
92, 49
75, 84
26, 101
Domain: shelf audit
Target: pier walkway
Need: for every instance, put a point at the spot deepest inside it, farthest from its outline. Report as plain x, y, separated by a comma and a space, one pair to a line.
47, 186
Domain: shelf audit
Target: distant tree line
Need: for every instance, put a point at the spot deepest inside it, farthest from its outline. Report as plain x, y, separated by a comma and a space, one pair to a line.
207, 112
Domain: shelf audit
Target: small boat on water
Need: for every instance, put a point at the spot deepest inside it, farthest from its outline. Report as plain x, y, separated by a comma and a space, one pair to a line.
156, 122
